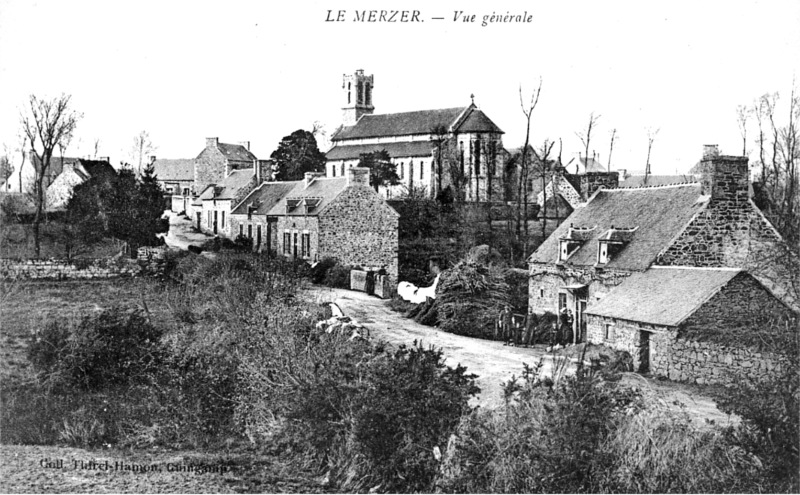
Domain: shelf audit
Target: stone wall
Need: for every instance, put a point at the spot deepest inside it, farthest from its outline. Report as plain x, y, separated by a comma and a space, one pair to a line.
255, 221
681, 359
359, 228
546, 281
592, 181
209, 168
300, 224
54, 269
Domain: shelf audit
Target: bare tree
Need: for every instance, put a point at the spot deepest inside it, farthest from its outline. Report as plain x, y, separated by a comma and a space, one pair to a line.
142, 147
586, 135
22, 139
543, 168
651, 137
47, 123
742, 116
611, 147
439, 136
522, 188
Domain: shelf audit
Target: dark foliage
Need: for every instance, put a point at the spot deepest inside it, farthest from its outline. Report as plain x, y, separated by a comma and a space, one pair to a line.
297, 154
117, 346
382, 171
320, 270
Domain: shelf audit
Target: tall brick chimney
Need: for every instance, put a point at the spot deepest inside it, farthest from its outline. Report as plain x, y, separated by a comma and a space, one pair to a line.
358, 176
723, 177
212, 142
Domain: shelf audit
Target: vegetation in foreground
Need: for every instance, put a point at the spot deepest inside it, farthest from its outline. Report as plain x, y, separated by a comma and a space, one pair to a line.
231, 356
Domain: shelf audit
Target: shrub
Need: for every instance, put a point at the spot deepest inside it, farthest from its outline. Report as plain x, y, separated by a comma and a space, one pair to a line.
114, 346
469, 298
320, 270
338, 276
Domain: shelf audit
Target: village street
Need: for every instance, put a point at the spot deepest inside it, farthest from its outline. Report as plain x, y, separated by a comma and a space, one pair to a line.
493, 362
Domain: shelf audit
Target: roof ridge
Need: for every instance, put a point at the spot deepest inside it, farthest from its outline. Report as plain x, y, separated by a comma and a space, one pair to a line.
413, 111
662, 186
714, 268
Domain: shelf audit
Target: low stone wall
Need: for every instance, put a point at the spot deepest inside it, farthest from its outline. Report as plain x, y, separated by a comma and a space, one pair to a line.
148, 261
54, 269
371, 283
708, 363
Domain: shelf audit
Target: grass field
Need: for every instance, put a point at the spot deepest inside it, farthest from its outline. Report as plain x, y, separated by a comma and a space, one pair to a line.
27, 306
17, 242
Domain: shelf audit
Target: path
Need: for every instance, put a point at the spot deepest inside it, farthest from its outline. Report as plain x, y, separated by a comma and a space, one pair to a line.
493, 362
181, 233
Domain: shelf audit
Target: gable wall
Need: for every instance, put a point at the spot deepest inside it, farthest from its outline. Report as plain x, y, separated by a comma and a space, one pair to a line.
359, 228
59, 192
209, 168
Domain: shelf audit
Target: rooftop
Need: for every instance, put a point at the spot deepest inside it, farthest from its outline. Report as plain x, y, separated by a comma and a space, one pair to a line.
181, 169
395, 150
264, 197
323, 188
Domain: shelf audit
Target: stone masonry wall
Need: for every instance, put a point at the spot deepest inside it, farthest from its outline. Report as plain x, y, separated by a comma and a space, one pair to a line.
592, 181
359, 228
300, 224
54, 269
209, 168
546, 281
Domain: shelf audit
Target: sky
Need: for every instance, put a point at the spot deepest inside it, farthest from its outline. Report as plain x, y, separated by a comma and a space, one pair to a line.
257, 71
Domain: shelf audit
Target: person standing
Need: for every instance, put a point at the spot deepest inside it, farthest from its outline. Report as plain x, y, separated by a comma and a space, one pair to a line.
530, 326
505, 319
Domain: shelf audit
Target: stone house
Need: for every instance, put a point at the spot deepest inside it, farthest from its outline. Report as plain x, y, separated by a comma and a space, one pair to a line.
250, 218
74, 171
218, 200
217, 160
412, 140
176, 177
660, 315
710, 223
342, 218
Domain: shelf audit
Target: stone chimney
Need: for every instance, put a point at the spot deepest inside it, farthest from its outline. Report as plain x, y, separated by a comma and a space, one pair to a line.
246, 144
723, 177
592, 181
262, 170
212, 142
358, 176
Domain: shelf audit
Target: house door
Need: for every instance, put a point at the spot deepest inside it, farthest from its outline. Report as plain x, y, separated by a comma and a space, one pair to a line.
295, 245
198, 219
258, 237
269, 237
215, 221
644, 352
580, 322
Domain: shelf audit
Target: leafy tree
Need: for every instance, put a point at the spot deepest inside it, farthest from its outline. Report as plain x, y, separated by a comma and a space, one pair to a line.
84, 225
297, 154
382, 171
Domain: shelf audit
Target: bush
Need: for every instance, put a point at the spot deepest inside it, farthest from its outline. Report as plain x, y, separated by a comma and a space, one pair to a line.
115, 346
338, 276
469, 298
321, 269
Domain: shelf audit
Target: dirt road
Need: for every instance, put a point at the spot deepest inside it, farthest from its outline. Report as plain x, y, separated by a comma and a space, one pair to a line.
493, 362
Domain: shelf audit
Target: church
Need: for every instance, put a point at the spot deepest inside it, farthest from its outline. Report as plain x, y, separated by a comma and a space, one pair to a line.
432, 150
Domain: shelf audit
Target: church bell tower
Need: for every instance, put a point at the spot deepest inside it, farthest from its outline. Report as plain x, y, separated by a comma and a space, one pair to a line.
357, 90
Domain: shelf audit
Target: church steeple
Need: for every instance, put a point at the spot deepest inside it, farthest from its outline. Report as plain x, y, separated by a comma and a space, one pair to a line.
357, 90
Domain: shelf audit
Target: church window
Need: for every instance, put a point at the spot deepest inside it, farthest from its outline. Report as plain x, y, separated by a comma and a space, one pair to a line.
477, 156
360, 94
461, 157
349, 91
368, 96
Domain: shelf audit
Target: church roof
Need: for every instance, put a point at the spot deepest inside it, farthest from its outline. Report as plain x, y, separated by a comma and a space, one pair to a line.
464, 119
663, 295
395, 150
661, 213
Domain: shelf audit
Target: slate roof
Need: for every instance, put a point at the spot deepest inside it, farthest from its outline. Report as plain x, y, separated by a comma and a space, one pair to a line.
656, 180
663, 295
56, 164
660, 213
463, 119
228, 188
327, 189
395, 150
234, 152
181, 169
588, 165
264, 197
96, 167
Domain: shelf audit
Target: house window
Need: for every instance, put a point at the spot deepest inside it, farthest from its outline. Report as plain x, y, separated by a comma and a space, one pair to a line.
241, 230
421, 169
402, 170
295, 245
562, 301
602, 256
185, 191
209, 219
249, 230
411, 171
306, 247
258, 235
541, 292
609, 332
223, 219
333, 170
342, 169
287, 240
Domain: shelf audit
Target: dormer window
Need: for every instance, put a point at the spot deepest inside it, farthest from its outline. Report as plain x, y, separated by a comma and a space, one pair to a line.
311, 204
570, 243
291, 204
612, 242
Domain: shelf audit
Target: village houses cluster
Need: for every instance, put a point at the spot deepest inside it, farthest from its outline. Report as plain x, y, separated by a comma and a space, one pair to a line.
635, 258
